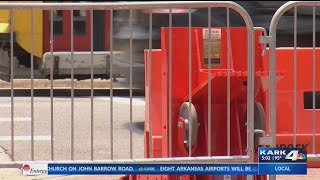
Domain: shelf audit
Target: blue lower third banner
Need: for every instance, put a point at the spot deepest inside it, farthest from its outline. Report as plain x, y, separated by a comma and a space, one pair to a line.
205, 169
57, 169
267, 168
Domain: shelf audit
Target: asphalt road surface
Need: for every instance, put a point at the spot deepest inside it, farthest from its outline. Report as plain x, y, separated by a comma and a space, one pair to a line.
62, 127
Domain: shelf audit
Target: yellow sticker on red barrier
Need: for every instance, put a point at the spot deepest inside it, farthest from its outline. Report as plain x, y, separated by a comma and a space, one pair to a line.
215, 41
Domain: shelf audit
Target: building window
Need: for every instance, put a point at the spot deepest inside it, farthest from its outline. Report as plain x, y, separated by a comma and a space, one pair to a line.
79, 22
57, 22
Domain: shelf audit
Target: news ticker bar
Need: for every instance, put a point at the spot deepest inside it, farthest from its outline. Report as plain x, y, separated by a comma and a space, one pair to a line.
209, 169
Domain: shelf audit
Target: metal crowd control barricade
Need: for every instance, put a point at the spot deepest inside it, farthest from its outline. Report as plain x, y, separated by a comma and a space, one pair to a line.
293, 101
195, 126
165, 141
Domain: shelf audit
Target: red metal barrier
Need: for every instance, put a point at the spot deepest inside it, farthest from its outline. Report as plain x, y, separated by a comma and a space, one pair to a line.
238, 98
285, 101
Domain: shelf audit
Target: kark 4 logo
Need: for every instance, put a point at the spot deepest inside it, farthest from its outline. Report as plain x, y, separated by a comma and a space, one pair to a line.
294, 155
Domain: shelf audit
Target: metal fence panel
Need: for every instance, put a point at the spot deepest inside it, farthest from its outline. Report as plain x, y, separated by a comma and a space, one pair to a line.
111, 107
313, 155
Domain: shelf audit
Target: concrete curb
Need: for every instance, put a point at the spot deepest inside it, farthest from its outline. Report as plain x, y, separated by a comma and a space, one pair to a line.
8, 173
64, 84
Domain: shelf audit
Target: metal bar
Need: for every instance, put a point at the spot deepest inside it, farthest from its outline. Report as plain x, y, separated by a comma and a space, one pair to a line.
32, 91
51, 83
200, 160
111, 84
12, 81
131, 33
228, 82
170, 83
313, 157
265, 34
272, 91
190, 80
149, 83
295, 80
250, 96
314, 81
122, 5
72, 90
272, 82
209, 83
250, 89
91, 49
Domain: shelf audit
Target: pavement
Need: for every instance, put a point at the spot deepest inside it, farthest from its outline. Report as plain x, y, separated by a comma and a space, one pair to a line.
82, 134
62, 122
62, 131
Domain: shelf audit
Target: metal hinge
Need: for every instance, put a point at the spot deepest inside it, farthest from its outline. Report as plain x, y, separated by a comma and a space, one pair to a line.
265, 141
264, 39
